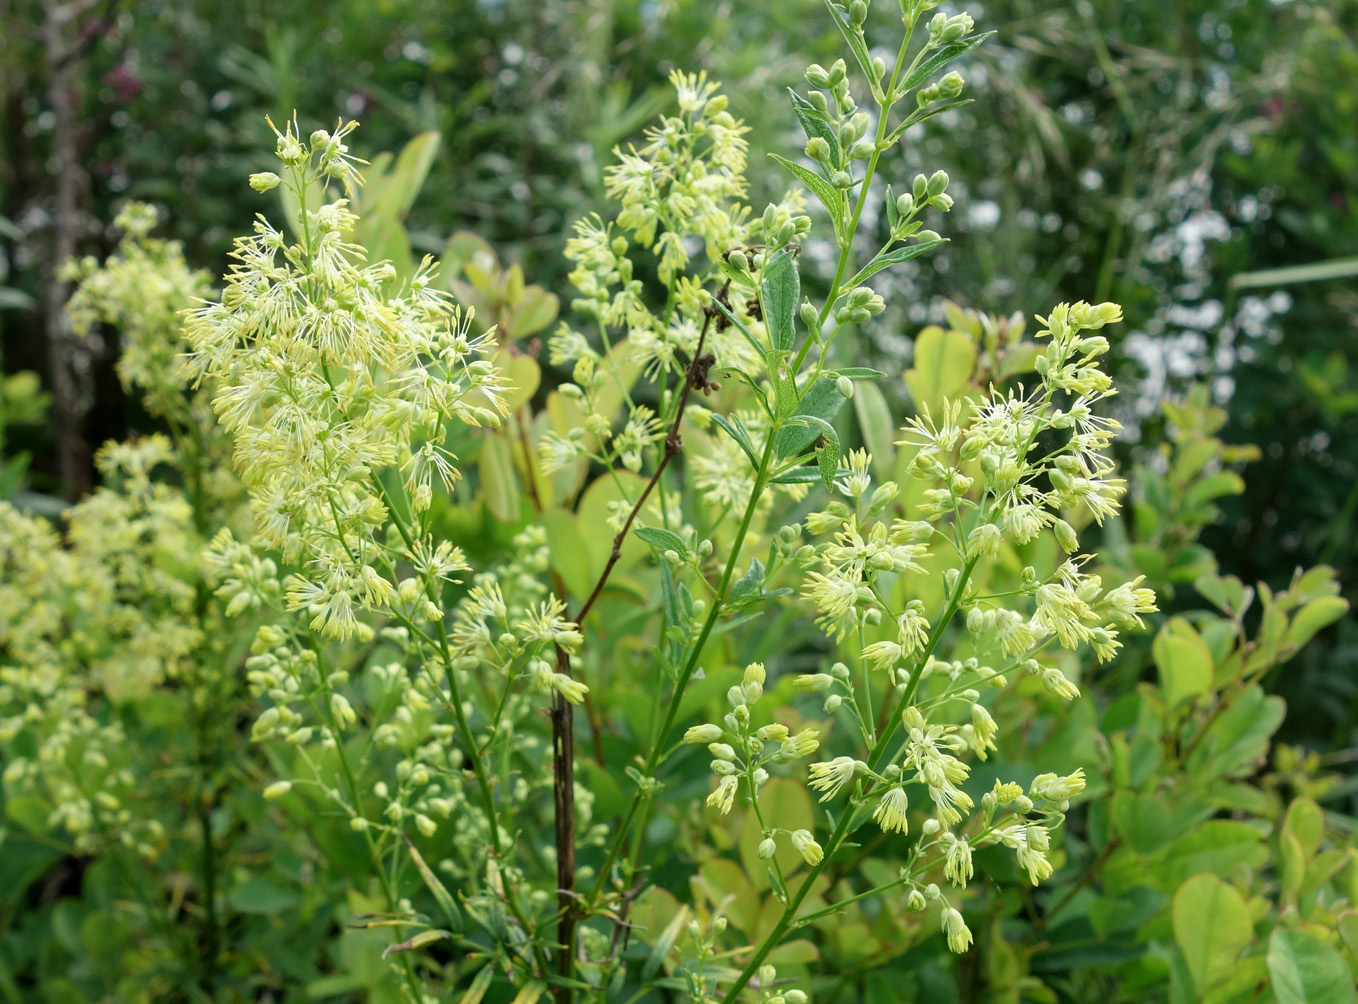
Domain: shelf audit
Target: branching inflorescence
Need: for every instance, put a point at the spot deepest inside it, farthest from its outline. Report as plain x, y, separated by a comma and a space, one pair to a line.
402, 680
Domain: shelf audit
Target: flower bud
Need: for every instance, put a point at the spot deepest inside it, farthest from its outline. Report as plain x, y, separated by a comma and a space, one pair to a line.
807, 847
703, 734
1066, 536
817, 76
263, 181
818, 149
277, 790
812, 683
767, 848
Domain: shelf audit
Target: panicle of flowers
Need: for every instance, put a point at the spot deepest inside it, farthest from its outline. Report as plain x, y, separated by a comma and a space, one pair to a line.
743, 753
140, 290
330, 371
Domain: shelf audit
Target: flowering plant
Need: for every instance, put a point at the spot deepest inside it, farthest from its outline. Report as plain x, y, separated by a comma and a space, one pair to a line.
790, 642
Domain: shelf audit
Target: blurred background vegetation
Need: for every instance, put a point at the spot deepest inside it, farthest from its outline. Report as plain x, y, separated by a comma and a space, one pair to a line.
1196, 162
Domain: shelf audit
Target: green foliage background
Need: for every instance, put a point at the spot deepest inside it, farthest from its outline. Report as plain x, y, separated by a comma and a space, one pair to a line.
1148, 155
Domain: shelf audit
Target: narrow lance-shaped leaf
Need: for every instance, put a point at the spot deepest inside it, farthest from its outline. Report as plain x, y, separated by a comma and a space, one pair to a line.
814, 124
737, 431
665, 540
416, 942
439, 890
854, 40
938, 59
829, 195
901, 254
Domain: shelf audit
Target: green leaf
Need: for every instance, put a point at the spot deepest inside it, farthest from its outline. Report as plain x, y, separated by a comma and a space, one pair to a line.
740, 326
536, 309
499, 482
407, 177
1293, 867
893, 215
858, 373
940, 58
736, 430
1317, 271
262, 895
784, 383
438, 889
1141, 820
924, 115
531, 993
1239, 737
814, 124
822, 400
1204, 490
827, 459
889, 258
1307, 971
1306, 822
1218, 846
30, 812
1184, 662
748, 585
479, 986
944, 361
734, 274
853, 38
801, 476
662, 539
416, 942
1320, 613
745, 378
1212, 927
830, 196
782, 291
664, 943
877, 428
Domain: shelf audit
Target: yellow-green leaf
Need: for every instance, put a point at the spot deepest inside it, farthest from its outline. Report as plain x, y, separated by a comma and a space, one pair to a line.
1184, 662
1212, 927
1306, 822
499, 482
1307, 971
944, 361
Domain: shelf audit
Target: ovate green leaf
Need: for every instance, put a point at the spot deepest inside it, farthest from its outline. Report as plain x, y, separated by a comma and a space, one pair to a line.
1212, 927
1307, 971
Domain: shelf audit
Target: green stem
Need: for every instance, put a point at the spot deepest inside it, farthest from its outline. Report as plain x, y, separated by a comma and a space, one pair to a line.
690, 664
845, 825
351, 781
846, 251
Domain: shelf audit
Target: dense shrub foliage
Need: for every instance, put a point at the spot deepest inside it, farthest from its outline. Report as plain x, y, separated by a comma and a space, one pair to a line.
684, 643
